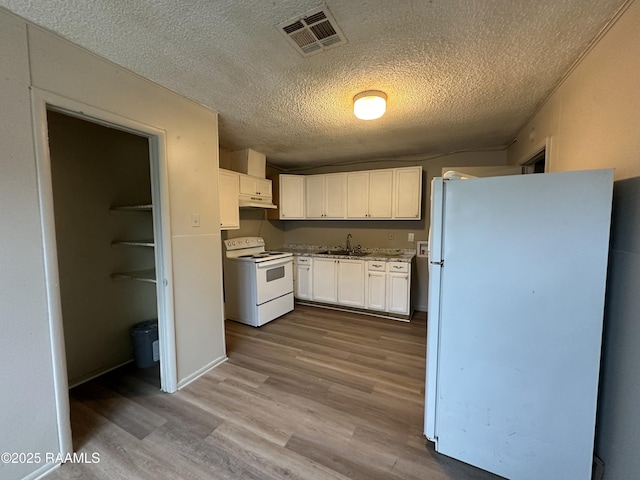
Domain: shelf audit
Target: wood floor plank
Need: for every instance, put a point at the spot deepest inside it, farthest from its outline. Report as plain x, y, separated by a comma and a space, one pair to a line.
227, 407
130, 416
198, 421
314, 395
199, 459
122, 456
274, 460
340, 459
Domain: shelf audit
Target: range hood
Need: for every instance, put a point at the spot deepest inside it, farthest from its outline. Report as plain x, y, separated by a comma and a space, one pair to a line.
246, 201
252, 163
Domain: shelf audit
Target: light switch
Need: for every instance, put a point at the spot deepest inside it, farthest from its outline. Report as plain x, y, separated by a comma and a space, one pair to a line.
195, 219
411, 237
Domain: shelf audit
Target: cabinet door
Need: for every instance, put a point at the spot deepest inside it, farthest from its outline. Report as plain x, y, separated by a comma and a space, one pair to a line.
324, 280
314, 196
263, 187
380, 194
377, 291
228, 196
248, 185
398, 293
303, 280
358, 195
292, 200
335, 199
408, 193
351, 282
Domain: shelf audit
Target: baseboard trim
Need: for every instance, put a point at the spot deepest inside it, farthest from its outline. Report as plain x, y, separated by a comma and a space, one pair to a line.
81, 380
362, 311
197, 374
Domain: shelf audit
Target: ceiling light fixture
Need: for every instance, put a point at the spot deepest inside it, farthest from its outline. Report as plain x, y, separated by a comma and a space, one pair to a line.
370, 105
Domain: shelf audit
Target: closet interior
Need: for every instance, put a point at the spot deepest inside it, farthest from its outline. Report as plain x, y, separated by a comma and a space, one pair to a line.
104, 226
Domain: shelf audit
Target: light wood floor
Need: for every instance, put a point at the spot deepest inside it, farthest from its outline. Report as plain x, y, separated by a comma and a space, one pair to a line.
316, 394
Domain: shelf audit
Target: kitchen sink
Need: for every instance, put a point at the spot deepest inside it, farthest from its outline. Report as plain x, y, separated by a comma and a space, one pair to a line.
342, 252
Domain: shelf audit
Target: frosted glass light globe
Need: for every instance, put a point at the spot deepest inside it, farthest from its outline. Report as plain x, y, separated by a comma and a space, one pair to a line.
370, 105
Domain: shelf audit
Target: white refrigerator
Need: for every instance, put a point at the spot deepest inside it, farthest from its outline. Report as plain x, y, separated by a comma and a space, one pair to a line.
517, 278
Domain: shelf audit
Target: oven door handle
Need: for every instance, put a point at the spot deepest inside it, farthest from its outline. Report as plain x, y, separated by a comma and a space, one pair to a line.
275, 263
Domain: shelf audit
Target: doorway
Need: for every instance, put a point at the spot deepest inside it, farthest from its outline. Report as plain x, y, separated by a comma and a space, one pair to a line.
104, 227
538, 159
44, 102
537, 163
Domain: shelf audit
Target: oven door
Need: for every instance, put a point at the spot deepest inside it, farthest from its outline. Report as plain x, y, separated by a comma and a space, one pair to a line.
274, 279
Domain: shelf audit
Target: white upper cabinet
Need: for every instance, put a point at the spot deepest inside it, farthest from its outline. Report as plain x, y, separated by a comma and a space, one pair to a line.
325, 196
291, 193
260, 187
228, 195
370, 195
380, 194
358, 195
314, 196
408, 193
386, 194
335, 195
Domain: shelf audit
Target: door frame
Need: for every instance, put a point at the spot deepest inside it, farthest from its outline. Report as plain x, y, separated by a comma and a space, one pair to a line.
41, 101
543, 145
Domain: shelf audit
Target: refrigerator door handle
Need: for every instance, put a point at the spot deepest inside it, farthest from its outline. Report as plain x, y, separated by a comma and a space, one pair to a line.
441, 263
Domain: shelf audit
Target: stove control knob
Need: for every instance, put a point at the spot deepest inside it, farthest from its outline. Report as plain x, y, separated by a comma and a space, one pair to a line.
246, 241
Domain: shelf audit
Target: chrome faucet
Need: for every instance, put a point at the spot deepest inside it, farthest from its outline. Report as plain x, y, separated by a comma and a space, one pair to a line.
349, 237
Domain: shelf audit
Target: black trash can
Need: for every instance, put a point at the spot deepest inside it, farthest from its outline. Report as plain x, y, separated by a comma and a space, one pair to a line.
145, 343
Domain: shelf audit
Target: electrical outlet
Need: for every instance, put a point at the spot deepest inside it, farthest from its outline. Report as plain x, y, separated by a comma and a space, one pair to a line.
411, 237
195, 219
391, 235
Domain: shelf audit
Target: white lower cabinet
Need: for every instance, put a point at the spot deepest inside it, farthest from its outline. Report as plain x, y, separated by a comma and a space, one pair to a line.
325, 285
377, 285
351, 282
398, 288
302, 278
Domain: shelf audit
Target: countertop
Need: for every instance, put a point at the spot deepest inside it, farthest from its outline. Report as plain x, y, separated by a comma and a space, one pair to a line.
380, 254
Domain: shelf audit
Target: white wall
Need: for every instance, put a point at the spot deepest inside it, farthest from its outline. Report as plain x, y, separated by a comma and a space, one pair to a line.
594, 121
27, 409
35, 57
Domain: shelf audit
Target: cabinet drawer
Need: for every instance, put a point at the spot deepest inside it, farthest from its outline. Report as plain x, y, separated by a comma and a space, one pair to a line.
377, 266
400, 267
303, 260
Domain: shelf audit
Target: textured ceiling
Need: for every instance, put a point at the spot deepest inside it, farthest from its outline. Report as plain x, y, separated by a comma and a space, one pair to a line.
459, 74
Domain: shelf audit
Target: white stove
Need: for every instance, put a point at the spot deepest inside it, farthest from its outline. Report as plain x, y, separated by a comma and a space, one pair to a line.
258, 284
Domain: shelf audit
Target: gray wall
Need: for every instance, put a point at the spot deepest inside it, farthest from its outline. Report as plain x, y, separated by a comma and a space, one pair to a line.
93, 168
618, 418
592, 119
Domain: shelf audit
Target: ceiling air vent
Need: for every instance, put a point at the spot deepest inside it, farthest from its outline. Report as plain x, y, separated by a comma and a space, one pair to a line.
313, 32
